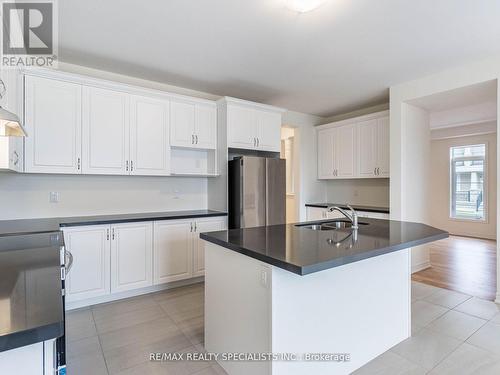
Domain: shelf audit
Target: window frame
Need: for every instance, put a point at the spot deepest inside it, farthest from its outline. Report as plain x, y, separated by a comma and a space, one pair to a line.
483, 220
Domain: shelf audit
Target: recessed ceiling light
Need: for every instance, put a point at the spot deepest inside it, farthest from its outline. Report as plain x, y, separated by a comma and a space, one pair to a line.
303, 6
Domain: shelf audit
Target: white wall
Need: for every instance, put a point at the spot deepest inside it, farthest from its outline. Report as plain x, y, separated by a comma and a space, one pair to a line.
27, 195
308, 187
461, 76
440, 187
368, 192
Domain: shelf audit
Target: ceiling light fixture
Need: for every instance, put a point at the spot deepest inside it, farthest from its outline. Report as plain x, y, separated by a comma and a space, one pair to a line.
303, 6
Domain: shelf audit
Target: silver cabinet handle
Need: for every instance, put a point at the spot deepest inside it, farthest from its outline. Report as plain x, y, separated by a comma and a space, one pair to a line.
258, 142
78, 163
131, 165
113, 233
195, 226
16, 161
378, 171
196, 136
126, 165
69, 263
107, 234
192, 139
375, 171
191, 227
255, 142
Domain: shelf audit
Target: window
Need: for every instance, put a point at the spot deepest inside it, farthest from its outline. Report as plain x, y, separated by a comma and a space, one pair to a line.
467, 169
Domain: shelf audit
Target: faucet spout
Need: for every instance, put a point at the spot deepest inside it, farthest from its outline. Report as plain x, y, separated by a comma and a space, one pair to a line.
352, 217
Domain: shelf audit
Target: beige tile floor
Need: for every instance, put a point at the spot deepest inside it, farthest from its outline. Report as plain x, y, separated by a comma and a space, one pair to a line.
452, 334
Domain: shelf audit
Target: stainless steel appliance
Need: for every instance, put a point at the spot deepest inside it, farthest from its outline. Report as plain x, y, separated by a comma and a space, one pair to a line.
257, 192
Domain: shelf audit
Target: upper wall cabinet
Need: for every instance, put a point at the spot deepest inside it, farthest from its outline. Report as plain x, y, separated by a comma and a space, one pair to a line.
84, 125
105, 147
354, 148
53, 123
149, 136
250, 125
193, 125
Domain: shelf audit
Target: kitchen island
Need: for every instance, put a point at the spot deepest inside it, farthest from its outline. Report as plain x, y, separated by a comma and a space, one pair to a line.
292, 291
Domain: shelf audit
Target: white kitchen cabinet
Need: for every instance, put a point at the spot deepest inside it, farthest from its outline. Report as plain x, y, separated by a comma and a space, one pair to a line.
269, 131
105, 146
336, 152
345, 151
149, 136
252, 126
242, 127
374, 147
89, 275
202, 226
173, 251
367, 148
11, 153
354, 148
131, 256
326, 153
54, 125
205, 126
193, 125
383, 146
27, 359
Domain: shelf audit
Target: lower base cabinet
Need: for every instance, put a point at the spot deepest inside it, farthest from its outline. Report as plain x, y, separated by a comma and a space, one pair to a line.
173, 251
89, 276
110, 259
131, 256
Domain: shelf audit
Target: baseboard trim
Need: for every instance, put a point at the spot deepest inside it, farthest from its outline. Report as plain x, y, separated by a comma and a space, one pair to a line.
497, 300
131, 293
420, 266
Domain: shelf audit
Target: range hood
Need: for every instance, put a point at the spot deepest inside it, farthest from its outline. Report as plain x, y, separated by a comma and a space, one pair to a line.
10, 125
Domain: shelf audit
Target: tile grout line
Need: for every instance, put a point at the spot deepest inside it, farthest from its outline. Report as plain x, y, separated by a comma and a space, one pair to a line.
99, 340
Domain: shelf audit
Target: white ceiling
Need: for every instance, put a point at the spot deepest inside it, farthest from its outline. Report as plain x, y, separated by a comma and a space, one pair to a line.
340, 57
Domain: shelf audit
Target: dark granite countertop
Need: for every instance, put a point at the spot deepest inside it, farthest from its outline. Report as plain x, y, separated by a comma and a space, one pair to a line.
303, 251
357, 207
9, 227
30, 289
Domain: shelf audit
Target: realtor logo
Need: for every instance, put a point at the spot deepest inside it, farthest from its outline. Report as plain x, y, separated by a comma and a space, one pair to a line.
29, 33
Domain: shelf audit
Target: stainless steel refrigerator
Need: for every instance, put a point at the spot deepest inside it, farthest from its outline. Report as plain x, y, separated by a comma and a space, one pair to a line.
257, 192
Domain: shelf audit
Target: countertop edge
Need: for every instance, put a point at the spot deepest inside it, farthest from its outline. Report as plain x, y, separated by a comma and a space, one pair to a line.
31, 336
309, 269
139, 219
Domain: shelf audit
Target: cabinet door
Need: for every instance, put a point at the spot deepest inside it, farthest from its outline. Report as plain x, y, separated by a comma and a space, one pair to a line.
269, 131
315, 213
182, 120
207, 225
90, 274
149, 137
367, 148
173, 251
383, 146
326, 152
53, 123
131, 256
345, 152
105, 148
241, 127
205, 126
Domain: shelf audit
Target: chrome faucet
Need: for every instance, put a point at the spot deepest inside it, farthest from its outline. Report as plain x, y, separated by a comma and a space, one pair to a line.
353, 217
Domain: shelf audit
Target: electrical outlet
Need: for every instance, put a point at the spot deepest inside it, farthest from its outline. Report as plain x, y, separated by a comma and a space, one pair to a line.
263, 278
54, 197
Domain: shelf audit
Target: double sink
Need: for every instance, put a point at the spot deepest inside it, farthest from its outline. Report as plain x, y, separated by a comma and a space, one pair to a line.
330, 225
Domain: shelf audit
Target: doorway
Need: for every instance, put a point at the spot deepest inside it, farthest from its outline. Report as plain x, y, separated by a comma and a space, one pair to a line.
461, 188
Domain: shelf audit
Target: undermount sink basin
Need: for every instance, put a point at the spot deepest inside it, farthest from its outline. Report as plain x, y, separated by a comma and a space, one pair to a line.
331, 225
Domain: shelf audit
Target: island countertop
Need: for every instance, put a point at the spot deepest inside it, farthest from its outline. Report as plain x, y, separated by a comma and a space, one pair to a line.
301, 250
30, 289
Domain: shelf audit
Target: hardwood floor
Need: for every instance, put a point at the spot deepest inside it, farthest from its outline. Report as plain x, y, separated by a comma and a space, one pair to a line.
462, 264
